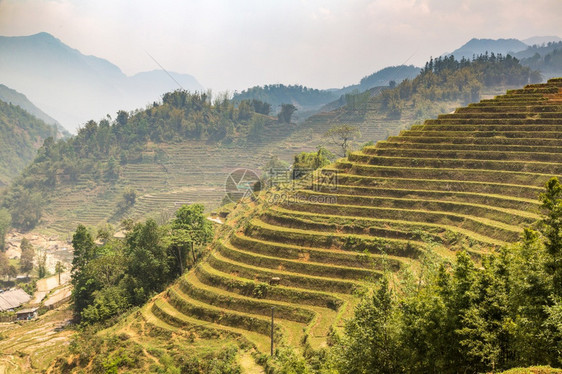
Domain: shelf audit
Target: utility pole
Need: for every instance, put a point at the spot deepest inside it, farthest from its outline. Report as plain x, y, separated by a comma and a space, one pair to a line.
271, 331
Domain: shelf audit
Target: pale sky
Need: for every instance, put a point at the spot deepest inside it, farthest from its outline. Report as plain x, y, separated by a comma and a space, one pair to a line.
233, 45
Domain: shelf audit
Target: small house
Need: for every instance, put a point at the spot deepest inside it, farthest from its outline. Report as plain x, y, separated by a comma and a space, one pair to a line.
26, 314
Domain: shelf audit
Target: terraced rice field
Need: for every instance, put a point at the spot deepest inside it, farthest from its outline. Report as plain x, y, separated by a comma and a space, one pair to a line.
190, 172
469, 179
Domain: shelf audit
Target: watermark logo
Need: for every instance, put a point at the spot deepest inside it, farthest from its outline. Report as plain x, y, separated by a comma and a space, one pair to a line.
242, 183
325, 180
285, 185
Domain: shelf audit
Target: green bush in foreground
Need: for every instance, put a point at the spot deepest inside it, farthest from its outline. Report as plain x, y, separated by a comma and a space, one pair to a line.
110, 278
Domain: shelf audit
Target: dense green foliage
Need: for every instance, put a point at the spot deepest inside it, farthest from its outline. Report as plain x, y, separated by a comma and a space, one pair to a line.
277, 94
467, 317
446, 79
27, 255
286, 113
20, 136
110, 278
306, 162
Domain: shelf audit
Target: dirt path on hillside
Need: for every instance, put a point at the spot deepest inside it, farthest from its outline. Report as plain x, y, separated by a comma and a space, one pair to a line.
248, 365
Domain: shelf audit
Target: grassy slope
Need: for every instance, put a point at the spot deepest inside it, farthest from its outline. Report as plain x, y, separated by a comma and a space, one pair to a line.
194, 171
229, 292
227, 299
32, 346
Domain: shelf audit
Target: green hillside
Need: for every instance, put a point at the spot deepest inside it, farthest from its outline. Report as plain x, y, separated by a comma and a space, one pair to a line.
181, 150
21, 134
469, 179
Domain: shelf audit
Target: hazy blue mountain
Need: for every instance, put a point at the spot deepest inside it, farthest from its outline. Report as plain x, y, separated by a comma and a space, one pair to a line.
540, 40
477, 47
540, 49
546, 58
73, 87
383, 77
309, 100
146, 83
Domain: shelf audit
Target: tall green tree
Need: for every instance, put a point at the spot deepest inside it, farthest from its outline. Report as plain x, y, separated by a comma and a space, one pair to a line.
551, 228
371, 341
27, 255
5, 223
305, 162
148, 269
286, 113
190, 228
25, 207
487, 332
4, 265
84, 248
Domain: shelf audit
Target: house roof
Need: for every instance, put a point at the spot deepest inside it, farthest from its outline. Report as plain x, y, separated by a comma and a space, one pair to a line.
13, 299
28, 310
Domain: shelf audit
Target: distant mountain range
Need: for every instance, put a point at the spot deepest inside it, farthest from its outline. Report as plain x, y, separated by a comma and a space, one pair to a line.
309, 101
476, 47
74, 88
539, 40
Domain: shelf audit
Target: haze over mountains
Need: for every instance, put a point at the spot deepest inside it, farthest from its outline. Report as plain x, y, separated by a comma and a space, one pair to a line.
476, 47
74, 88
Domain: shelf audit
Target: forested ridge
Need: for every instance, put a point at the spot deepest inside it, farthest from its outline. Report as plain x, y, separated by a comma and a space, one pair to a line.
20, 135
447, 79
100, 149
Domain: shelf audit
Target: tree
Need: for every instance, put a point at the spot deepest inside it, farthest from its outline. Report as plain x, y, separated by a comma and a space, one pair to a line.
306, 162
371, 340
342, 136
5, 223
129, 197
255, 128
84, 248
148, 268
42, 266
25, 207
261, 107
113, 169
4, 265
189, 228
59, 268
286, 113
551, 228
92, 293
486, 335
27, 255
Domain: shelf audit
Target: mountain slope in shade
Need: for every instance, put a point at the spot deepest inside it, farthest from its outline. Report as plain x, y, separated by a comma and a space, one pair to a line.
75, 88
21, 134
11, 96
